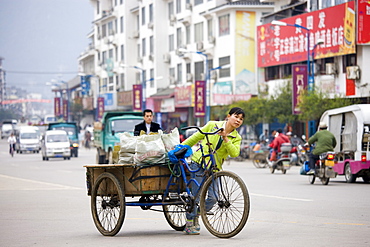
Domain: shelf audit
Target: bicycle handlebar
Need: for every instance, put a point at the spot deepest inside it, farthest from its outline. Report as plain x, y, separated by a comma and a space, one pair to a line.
204, 133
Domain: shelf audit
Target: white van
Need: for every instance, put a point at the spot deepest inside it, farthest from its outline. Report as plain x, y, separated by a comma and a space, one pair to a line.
55, 144
351, 128
28, 139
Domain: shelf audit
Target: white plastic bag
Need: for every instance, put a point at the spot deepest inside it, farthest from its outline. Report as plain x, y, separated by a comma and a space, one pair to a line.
128, 143
171, 140
149, 149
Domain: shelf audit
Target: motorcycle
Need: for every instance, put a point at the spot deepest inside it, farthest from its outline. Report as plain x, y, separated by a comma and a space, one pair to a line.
283, 162
298, 155
324, 169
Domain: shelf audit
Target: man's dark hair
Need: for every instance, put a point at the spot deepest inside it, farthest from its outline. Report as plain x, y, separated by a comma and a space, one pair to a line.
280, 130
237, 111
147, 110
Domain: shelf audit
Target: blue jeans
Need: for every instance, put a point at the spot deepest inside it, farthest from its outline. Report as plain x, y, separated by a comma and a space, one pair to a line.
212, 191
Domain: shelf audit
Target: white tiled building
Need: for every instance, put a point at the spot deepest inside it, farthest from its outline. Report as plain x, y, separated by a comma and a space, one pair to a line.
143, 42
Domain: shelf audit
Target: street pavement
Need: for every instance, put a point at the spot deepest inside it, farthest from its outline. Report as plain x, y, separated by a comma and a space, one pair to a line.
44, 203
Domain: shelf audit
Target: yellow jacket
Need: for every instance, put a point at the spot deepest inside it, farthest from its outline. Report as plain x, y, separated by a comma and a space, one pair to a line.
231, 148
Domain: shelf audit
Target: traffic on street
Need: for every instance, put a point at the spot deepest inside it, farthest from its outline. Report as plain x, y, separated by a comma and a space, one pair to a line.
45, 203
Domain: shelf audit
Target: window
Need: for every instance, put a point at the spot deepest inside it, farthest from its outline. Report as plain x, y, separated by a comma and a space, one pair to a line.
170, 10
179, 73
143, 16
314, 5
210, 27
138, 77
144, 76
104, 30
271, 73
104, 57
224, 25
110, 28
171, 43
110, 53
198, 32
179, 37
178, 6
151, 16
172, 75
287, 70
224, 61
143, 47
151, 77
98, 31
348, 60
151, 45
198, 71
138, 51
197, 2
122, 83
337, 2
110, 84
122, 53
116, 53
117, 83
325, 4
103, 87
97, 7
188, 68
187, 30
121, 24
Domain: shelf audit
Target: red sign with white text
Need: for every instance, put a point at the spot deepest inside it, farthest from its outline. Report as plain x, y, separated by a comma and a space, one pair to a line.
363, 22
288, 44
200, 99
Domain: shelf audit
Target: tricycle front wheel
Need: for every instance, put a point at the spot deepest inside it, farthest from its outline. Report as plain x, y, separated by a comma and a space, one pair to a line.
224, 204
175, 216
108, 204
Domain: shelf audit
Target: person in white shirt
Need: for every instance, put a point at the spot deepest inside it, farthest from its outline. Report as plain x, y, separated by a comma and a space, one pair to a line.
11, 140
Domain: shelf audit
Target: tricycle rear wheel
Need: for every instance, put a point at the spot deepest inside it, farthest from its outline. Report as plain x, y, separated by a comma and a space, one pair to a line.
175, 216
230, 210
108, 204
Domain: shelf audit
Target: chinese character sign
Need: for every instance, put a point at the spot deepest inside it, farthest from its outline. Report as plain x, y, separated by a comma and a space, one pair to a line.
363, 22
57, 111
100, 108
200, 99
65, 110
289, 44
137, 97
299, 85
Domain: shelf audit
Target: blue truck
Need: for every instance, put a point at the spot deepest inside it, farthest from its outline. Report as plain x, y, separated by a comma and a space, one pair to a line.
105, 132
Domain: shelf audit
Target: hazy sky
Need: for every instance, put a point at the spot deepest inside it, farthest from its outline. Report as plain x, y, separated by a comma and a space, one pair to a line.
43, 36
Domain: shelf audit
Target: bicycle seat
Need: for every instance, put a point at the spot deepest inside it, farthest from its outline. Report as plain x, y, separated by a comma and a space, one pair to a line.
181, 153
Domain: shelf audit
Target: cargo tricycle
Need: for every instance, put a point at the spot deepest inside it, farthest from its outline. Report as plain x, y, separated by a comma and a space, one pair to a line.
112, 187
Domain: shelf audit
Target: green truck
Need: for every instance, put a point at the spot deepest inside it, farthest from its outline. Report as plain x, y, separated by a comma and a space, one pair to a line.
105, 131
72, 131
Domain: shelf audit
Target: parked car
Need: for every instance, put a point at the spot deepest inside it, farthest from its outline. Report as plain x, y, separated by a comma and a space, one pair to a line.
55, 144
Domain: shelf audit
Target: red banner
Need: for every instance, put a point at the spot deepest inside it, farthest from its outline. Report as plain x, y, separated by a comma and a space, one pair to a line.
57, 111
363, 22
300, 82
137, 96
100, 108
200, 99
350, 87
288, 44
19, 101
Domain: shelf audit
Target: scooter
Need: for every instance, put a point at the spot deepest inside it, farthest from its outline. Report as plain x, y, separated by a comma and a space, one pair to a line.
324, 168
283, 163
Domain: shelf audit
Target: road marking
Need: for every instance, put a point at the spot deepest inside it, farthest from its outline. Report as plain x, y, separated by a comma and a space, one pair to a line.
282, 197
55, 186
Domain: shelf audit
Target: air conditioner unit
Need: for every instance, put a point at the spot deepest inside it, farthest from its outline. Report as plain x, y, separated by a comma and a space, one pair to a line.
151, 56
167, 58
150, 25
189, 6
106, 40
353, 72
199, 46
211, 39
135, 34
172, 18
330, 69
189, 77
213, 75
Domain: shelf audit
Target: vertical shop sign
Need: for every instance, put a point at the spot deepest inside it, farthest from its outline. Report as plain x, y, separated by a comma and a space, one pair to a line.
200, 99
363, 22
100, 108
65, 110
137, 96
300, 81
57, 111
